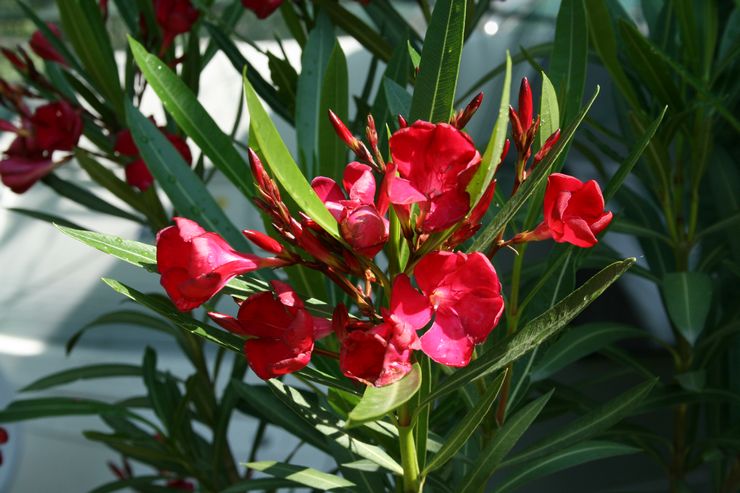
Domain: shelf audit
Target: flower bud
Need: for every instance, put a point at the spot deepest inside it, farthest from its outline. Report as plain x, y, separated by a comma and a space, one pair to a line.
43, 47
364, 230
263, 241
462, 120
402, 122
525, 105
546, 147
343, 132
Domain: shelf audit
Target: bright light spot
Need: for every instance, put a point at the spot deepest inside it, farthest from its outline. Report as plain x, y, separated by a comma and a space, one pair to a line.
21, 346
490, 27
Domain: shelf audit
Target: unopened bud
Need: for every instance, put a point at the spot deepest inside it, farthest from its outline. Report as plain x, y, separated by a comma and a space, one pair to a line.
516, 126
343, 132
525, 105
371, 132
14, 59
263, 241
402, 122
258, 170
546, 147
465, 116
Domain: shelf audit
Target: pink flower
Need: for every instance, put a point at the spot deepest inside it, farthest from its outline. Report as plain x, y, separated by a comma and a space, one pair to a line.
435, 163
465, 293
263, 8
380, 355
361, 223
57, 126
280, 331
43, 47
24, 165
137, 173
195, 264
574, 211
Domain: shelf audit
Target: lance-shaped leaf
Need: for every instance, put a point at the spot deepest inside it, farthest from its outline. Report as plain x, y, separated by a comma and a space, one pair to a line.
688, 297
434, 93
467, 425
304, 476
535, 332
83, 26
495, 146
549, 110
332, 151
569, 57
588, 425
376, 402
160, 305
188, 193
284, 168
182, 104
84, 373
530, 185
564, 459
45, 407
503, 441
308, 112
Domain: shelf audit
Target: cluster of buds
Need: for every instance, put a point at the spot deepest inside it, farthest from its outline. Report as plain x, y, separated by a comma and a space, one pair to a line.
441, 302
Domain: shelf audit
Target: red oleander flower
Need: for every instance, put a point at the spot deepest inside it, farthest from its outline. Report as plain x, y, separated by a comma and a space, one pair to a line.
137, 173
174, 17
574, 211
263, 8
380, 355
195, 264
3, 439
56, 126
465, 293
281, 331
24, 164
43, 47
362, 225
435, 163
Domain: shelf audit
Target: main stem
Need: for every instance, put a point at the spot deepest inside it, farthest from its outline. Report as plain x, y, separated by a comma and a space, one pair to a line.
512, 320
409, 458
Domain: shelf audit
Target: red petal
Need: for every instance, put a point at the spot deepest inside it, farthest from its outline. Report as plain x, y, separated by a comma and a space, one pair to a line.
359, 183
446, 342
408, 306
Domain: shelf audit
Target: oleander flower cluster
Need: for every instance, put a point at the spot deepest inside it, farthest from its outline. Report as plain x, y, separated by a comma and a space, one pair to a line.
435, 299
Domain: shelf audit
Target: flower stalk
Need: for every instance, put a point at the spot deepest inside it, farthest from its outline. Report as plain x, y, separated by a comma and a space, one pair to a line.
412, 481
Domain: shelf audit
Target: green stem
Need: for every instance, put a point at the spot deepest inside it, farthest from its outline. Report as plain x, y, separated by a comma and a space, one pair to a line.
512, 320
409, 459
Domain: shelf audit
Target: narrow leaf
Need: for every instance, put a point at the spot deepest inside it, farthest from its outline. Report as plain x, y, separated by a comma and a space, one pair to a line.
467, 425
688, 297
182, 104
83, 373
304, 476
549, 111
85, 198
332, 151
434, 93
569, 57
376, 402
503, 441
282, 165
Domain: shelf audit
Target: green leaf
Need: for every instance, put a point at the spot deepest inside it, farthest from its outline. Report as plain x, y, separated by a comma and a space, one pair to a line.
579, 342
118, 318
495, 147
83, 373
166, 309
133, 252
564, 459
535, 332
83, 26
282, 165
467, 425
188, 193
42, 216
434, 93
569, 57
183, 105
626, 167
309, 114
261, 484
376, 402
503, 441
530, 185
305, 476
332, 151
87, 199
106, 178
325, 423
46, 407
549, 111
586, 426
688, 297
399, 100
